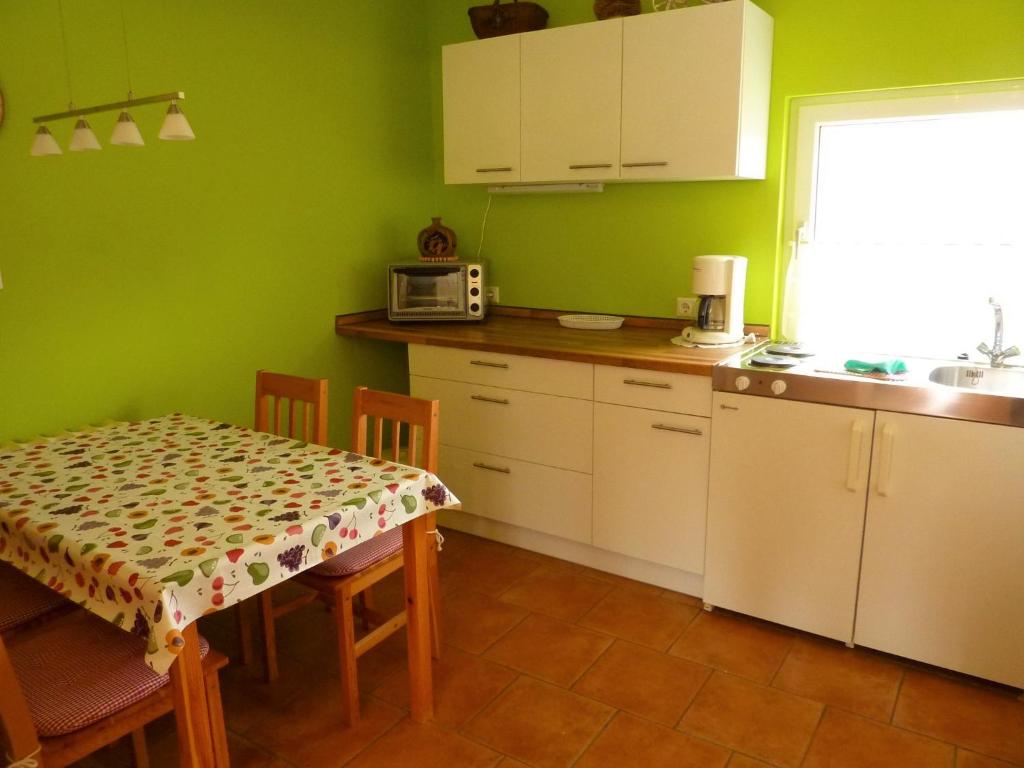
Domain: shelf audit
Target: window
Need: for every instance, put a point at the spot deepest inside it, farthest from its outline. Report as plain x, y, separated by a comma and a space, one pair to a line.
906, 213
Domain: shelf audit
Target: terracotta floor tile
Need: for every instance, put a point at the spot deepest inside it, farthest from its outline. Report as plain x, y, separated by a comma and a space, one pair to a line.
629, 742
681, 597
753, 719
982, 719
490, 571
848, 741
463, 685
967, 759
473, 621
508, 762
308, 731
742, 761
551, 650
621, 581
424, 746
644, 682
540, 724
247, 699
734, 644
565, 597
848, 678
641, 617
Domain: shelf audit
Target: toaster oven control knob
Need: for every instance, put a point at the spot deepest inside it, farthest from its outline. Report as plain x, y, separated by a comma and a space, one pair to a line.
474, 307
474, 291
474, 273
742, 382
778, 386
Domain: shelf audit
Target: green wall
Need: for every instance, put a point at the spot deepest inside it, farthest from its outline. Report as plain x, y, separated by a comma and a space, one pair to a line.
629, 250
141, 281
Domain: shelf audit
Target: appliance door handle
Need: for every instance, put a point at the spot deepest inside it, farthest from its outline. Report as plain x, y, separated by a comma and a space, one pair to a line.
885, 460
483, 399
488, 364
655, 164
853, 460
502, 169
642, 383
492, 468
684, 430
725, 407
584, 166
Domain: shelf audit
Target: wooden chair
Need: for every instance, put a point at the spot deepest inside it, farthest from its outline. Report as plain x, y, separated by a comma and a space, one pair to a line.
77, 683
273, 392
341, 579
25, 602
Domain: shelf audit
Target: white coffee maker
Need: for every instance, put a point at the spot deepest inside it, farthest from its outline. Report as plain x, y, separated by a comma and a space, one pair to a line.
720, 282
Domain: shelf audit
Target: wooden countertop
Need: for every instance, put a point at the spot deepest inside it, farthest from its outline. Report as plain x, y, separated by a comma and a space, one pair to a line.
639, 343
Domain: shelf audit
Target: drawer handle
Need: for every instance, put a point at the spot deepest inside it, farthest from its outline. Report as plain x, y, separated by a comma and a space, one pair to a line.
655, 164
492, 468
725, 407
585, 166
639, 383
498, 400
504, 169
488, 364
684, 430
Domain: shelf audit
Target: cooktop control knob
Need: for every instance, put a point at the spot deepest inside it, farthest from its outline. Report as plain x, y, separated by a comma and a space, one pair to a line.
742, 382
778, 386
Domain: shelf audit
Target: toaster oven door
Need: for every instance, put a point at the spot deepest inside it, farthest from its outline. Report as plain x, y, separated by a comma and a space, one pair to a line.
427, 293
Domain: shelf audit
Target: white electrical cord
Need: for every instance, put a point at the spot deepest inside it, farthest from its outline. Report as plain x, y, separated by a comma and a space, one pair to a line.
483, 227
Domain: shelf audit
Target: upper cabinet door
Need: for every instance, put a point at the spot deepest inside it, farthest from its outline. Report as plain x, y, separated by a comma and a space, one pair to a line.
481, 111
572, 79
695, 92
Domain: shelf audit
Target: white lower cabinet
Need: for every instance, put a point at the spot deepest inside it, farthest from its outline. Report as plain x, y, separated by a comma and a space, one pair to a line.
650, 484
545, 499
943, 569
786, 511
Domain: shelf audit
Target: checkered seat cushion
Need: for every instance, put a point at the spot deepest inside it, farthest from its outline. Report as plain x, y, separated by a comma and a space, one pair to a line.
362, 555
78, 672
23, 599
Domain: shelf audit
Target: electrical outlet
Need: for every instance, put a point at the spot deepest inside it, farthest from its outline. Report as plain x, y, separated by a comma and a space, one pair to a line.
687, 307
493, 294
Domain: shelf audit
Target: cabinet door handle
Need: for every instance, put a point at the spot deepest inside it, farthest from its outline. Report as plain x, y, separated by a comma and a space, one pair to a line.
641, 383
853, 460
885, 460
503, 169
655, 164
488, 364
684, 430
584, 166
725, 407
492, 468
498, 400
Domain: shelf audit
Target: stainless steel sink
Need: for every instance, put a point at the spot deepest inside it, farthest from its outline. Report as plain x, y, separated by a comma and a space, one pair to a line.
997, 381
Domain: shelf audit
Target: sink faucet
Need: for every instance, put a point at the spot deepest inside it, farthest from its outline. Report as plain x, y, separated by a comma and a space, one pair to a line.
996, 354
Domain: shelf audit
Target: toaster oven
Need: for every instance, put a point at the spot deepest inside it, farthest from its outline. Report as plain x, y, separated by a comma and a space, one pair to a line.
424, 291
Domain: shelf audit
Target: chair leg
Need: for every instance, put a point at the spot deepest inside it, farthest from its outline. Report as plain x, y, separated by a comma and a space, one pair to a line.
139, 750
217, 728
269, 635
244, 622
344, 621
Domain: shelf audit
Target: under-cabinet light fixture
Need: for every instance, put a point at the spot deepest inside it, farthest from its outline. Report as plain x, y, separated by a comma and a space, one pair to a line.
538, 189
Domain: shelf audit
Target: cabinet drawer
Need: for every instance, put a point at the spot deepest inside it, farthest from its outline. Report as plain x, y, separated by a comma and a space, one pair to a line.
554, 501
674, 392
531, 374
651, 485
544, 429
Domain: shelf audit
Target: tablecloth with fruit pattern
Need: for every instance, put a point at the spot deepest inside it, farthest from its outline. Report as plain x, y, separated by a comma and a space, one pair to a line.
152, 524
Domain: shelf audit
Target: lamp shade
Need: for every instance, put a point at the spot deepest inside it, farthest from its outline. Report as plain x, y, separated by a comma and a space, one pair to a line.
176, 127
83, 139
126, 132
44, 143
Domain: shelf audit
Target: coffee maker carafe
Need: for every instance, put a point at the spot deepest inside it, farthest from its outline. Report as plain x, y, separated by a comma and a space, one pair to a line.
719, 281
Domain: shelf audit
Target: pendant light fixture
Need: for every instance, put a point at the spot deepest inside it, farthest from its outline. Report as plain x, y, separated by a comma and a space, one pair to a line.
126, 131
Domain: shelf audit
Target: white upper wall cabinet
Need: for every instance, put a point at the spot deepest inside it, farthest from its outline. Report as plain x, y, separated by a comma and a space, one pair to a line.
571, 80
673, 96
481, 111
695, 92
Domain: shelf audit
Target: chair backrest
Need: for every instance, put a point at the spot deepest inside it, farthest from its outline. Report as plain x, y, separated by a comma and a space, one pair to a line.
307, 395
419, 415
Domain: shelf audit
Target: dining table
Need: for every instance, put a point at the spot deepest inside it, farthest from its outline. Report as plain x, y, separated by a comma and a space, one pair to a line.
152, 524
